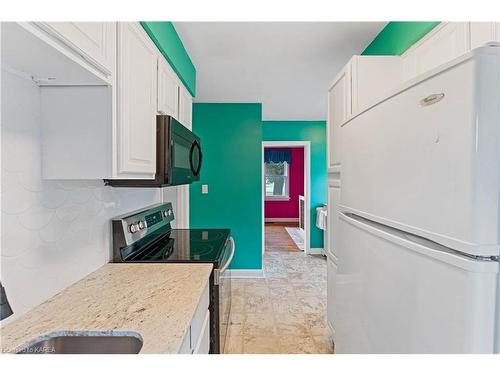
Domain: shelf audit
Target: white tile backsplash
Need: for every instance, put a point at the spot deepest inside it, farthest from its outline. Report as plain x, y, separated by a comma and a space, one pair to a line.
53, 233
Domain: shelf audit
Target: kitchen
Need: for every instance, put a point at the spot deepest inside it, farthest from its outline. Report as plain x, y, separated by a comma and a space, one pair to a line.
132, 187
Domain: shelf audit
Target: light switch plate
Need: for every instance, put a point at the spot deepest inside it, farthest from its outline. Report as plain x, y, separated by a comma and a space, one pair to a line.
204, 189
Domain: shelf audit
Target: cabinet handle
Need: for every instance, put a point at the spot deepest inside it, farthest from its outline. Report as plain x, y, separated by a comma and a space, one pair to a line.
431, 99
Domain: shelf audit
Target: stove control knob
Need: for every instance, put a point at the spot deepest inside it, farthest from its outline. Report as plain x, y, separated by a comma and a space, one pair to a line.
170, 212
133, 227
165, 213
142, 224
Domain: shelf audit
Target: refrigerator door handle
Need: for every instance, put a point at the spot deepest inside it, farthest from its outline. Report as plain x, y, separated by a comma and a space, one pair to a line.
422, 245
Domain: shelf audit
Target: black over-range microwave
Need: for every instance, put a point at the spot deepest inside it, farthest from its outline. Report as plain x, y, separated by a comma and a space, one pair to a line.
178, 156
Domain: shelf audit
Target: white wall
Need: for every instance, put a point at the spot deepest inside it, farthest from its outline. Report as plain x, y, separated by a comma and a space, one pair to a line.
53, 233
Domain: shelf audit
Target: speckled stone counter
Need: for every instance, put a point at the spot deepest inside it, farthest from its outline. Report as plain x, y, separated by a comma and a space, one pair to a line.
155, 300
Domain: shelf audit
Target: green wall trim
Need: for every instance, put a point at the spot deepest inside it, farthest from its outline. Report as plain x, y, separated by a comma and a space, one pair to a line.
315, 132
164, 35
231, 140
397, 37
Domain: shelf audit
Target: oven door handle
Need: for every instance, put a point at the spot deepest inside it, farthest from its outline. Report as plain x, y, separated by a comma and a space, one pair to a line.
221, 270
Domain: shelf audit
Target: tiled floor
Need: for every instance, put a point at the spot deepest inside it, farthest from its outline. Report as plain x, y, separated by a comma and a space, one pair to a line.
285, 312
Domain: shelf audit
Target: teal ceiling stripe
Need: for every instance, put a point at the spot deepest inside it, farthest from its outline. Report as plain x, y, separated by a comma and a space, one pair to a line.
397, 37
164, 35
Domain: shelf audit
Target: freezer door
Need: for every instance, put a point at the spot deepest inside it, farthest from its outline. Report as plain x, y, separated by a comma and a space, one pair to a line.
426, 160
398, 295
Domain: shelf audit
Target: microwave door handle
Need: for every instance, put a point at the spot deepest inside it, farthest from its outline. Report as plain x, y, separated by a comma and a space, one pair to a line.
191, 152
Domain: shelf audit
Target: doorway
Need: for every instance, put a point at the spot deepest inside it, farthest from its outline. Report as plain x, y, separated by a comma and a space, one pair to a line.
285, 196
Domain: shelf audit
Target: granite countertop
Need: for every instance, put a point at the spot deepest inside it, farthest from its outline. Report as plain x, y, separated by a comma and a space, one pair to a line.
157, 301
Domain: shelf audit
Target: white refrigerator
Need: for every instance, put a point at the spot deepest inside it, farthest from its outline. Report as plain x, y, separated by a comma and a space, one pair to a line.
418, 226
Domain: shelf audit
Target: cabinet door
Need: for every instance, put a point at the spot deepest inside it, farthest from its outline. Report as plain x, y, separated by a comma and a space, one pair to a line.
185, 107
484, 32
331, 270
203, 344
136, 111
338, 110
168, 89
372, 78
333, 216
95, 41
186, 343
446, 42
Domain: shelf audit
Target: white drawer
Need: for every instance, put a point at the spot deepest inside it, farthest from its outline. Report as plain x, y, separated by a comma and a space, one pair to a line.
203, 344
186, 343
199, 317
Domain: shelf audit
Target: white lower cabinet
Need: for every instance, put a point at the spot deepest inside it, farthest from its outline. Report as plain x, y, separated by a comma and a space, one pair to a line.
197, 337
331, 288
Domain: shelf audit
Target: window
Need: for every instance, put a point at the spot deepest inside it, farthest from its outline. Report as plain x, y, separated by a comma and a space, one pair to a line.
277, 181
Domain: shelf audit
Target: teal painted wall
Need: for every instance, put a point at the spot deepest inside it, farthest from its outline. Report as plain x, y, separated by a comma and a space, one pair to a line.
397, 37
231, 139
315, 132
168, 42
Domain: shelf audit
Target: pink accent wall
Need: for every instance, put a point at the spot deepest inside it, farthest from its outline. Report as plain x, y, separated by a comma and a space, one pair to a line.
289, 208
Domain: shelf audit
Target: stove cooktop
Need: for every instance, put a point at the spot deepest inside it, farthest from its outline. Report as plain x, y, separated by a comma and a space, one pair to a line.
181, 245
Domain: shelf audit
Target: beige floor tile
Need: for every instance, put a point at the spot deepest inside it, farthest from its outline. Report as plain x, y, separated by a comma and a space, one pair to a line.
288, 328
324, 344
259, 325
286, 306
307, 288
298, 277
261, 345
257, 290
237, 304
285, 312
258, 304
297, 345
317, 323
282, 290
312, 304
234, 345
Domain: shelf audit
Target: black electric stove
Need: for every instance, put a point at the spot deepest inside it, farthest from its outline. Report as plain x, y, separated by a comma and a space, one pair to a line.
146, 236
180, 245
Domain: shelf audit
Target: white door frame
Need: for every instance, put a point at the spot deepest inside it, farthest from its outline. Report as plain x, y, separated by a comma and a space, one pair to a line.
307, 187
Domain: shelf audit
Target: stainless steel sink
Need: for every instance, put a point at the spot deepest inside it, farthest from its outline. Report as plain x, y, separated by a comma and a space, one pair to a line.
84, 342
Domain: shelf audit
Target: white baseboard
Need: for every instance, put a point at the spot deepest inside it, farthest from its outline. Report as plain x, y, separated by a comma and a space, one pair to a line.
244, 274
316, 251
281, 219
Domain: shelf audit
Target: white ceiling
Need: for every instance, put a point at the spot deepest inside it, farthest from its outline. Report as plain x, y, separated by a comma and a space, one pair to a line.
286, 66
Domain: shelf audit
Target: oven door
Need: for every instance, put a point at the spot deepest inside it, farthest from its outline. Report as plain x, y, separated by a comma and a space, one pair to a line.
224, 281
185, 155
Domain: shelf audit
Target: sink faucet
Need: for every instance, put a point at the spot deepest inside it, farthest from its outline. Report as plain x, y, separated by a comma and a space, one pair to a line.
5, 309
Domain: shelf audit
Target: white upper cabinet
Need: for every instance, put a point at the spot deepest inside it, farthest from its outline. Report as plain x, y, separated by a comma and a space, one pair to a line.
372, 77
94, 41
484, 32
136, 104
445, 42
363, 80
168, 89
185, 107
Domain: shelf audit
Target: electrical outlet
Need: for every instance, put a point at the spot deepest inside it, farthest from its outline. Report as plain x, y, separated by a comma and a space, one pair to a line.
204, 189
